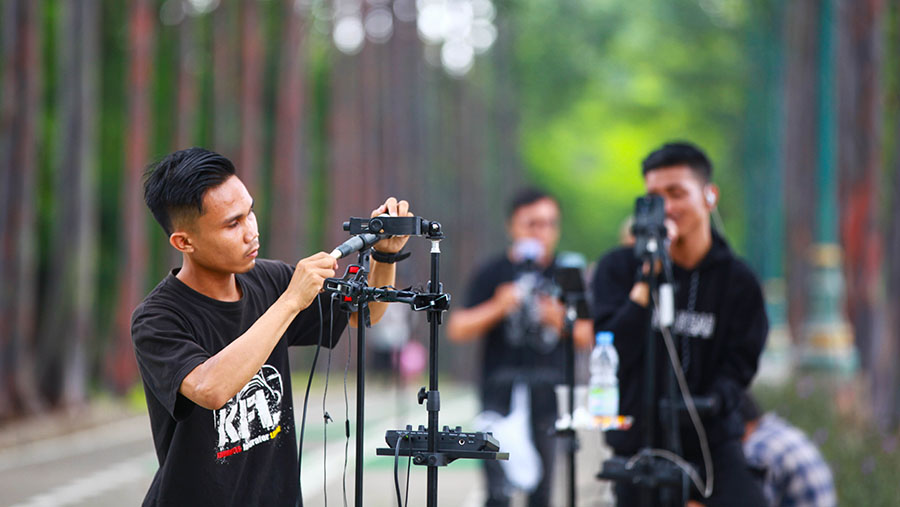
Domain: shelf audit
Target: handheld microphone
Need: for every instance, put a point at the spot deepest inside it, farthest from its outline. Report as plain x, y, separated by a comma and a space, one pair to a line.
355, 244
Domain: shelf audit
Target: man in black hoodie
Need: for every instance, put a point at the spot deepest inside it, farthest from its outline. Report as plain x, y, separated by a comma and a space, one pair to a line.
719, 330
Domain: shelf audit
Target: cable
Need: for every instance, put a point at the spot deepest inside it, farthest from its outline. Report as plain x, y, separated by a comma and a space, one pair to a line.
312, 370
396, 466
695, 420
408, 469
717, 220
347, 414
400, 439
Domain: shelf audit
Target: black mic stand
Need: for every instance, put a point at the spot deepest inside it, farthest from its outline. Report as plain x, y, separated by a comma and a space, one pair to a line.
569, 435
355, 295
361, 324
650, 473
573, 295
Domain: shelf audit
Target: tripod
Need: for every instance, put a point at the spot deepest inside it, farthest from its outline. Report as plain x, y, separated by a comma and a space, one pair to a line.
652, 474
574, 298
355, 296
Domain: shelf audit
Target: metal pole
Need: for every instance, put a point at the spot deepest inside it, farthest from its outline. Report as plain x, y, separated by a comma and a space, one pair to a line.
433, 405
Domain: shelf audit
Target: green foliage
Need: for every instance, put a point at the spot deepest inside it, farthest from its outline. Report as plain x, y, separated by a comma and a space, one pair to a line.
603, 83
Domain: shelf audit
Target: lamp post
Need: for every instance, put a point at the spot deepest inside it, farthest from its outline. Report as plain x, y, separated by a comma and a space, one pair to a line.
827, 341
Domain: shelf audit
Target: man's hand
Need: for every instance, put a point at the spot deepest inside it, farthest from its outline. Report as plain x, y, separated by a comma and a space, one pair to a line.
393, 208
640, 293
553, 313
308, 279
506, 297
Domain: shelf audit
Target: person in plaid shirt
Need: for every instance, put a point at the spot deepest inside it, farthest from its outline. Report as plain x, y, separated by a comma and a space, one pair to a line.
794, 470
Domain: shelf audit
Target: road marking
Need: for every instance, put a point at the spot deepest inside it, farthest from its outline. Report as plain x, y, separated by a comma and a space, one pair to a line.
95, 484
75, 444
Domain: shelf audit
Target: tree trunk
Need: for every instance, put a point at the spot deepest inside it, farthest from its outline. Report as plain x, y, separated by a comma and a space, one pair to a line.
344, 141
186, 85
859, 101
18, 133
249, 159
290, 175
799, 153
225, 75
67, 320
887, 402
121, 369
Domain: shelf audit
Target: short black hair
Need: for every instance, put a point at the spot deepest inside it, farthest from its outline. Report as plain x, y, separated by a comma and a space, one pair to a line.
748, 408
177, 183
679, 153
526, 197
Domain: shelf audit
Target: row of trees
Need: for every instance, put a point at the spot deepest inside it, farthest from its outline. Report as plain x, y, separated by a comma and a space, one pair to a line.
571, 95
94, 91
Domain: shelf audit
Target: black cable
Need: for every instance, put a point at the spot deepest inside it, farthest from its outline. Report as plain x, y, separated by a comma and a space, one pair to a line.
408, 469
403, 436
397, 445
347, 413
312, 370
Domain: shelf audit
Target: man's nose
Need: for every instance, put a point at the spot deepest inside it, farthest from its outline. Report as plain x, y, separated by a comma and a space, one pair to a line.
251, 232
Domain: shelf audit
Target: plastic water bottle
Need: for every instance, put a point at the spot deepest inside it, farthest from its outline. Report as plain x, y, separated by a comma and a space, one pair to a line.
603, 400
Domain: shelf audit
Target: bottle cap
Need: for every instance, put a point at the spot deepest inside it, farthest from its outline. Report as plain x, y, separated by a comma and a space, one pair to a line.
604, 337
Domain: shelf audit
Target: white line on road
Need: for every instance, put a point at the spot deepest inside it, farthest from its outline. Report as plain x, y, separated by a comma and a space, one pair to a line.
95, 484
92, 440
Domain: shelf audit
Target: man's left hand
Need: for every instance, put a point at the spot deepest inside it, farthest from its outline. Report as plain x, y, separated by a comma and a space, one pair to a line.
394, 208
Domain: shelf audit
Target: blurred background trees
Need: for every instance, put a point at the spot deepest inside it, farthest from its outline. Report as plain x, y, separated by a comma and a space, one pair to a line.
328, 106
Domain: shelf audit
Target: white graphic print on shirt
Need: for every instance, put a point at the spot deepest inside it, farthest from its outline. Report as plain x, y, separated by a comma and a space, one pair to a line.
252, 416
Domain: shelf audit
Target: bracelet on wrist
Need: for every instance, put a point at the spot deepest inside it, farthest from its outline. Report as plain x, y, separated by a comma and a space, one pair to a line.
389, 258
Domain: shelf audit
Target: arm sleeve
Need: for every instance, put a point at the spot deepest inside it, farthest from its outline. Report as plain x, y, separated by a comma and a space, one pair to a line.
746, 335
614, 311
166, 352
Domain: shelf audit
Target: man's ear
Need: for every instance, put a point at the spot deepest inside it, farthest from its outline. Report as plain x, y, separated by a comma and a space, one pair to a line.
711, 194
181, 241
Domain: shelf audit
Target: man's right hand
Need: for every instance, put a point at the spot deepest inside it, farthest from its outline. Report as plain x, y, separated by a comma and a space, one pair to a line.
506, 297
640, 292
309, 277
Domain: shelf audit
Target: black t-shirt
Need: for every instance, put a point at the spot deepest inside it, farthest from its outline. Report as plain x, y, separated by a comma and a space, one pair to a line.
719, 332
517, 350
246, 452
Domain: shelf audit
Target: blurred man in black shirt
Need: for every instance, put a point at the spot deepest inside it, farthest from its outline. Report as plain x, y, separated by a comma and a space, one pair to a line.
511, 307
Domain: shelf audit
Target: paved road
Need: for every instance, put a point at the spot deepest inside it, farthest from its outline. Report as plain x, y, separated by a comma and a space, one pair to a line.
113, 464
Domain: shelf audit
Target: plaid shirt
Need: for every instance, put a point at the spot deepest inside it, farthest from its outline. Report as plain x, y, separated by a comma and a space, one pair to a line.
796, 474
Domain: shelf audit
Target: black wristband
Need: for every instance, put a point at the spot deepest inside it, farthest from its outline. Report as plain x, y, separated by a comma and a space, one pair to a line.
389, 258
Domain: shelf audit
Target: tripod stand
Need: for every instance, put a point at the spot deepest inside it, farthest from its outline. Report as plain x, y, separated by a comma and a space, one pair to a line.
355, 296
574, 298
646, 470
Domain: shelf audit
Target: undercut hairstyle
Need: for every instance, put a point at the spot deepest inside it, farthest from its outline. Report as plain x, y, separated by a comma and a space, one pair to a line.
174, 187
527, 197
679, 153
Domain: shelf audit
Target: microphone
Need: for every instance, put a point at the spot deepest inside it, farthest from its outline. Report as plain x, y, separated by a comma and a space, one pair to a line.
355, 244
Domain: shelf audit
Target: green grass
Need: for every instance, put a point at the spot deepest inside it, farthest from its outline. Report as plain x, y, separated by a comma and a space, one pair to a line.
865, 461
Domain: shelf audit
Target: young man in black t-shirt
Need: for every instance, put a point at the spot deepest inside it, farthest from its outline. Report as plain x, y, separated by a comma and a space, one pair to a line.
719, 331
520, 341
211, 339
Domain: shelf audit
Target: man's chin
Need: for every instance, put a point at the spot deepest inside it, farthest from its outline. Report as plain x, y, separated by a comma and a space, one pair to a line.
247, 267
